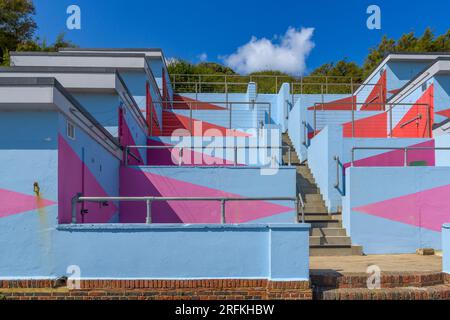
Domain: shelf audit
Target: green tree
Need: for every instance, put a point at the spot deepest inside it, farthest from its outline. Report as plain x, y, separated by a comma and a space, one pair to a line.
37, 45
16, 25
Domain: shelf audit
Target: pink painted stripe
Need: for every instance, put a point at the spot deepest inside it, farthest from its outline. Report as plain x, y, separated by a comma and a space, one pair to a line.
15, 203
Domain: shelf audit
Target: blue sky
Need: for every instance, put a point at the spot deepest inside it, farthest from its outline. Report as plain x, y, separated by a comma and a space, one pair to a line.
188, 29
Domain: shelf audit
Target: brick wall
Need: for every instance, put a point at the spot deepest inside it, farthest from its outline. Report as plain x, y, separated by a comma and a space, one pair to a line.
229, 289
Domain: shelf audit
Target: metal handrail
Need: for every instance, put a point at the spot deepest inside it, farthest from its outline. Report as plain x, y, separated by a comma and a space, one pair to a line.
181, 148
149, 200
302, 207
229, 107
324, 81
336, 185
389, 110
305, 133
405, 149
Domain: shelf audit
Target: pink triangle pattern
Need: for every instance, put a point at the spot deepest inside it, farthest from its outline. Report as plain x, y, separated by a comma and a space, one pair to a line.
70, 171
15, 203
428, 209
138, 183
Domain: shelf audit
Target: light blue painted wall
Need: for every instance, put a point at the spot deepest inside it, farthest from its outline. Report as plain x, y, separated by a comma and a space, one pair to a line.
299, 113
243, 181
370, 185
442, 156
399, 73
103, 107
101, 163
136, 82
138, 129
323, 148
223, 147
28, 152
330, 143
165, 252
441, 96
446, 248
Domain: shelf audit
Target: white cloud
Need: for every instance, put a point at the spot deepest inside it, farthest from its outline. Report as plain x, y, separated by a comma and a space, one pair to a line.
202, 57
288, 54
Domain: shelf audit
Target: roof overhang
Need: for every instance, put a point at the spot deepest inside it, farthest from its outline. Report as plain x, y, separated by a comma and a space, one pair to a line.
47, 94
90, 80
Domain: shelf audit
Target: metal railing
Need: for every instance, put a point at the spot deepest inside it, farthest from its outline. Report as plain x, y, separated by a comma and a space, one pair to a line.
266, 83
194, 148
302, 207
229, 106
405, 151
423, 111
149, 200
336, 158
305, 134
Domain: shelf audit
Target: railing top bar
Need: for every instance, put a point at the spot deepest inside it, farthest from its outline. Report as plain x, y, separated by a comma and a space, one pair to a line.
337, 84
294, 83
372, 103
400, 148
102, 199
214, 102
209, 82
207, 147
253, 76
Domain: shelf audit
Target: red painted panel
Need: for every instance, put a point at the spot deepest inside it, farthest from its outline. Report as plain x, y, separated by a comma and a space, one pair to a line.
370, 127
377, 97
421, 128
185, 102
341, 104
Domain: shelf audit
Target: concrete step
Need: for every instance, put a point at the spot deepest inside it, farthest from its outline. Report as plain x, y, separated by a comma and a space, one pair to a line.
325, 224
437, 292
332, 232
310, 190
330, 240
317, 218
315, 209
313, 198
331, 250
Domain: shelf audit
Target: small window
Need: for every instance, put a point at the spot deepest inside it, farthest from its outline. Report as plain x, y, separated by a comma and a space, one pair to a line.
70, 130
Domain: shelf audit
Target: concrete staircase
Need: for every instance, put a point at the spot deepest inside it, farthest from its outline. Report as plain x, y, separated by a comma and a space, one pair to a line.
327, 236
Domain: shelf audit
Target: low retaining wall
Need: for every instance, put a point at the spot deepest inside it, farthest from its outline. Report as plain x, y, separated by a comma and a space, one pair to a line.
330, 143
234, 182
396, 209
276, 252
217, 289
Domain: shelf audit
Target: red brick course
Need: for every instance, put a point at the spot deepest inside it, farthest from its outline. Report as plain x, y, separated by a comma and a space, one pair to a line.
388, 280
213, 289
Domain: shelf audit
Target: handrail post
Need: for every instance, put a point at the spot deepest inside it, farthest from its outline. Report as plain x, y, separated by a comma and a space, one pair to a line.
235, 156
222, 211
305, 134
353, 157
180, 156
390, 121
74, 202
190, 118
353, 110
126, 156
148, 219
290, 162
231, 107
406, 157
336, 158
